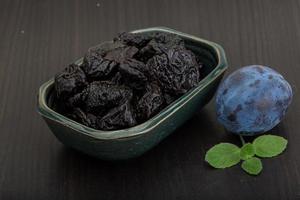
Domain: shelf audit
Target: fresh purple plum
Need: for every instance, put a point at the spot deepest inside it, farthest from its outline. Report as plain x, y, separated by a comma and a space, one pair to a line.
252, 100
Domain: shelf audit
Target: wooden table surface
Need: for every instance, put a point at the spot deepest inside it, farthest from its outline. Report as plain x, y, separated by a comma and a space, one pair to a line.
40, 37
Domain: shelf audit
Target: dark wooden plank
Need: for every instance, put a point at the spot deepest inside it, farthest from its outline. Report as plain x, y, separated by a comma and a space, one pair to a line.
38, 38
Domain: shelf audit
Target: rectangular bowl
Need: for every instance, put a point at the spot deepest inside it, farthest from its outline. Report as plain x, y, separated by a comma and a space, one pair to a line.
134, 141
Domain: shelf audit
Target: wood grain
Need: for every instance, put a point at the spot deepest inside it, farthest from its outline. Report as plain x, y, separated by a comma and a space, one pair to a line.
40, 37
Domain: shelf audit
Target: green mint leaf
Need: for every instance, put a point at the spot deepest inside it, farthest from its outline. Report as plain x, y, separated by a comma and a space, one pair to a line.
223, 155
267, 146
252, 166
247, 151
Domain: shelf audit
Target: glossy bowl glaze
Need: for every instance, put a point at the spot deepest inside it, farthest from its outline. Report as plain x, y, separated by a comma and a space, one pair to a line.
134, 141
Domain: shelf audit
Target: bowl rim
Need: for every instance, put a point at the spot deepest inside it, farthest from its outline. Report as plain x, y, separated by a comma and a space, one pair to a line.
151, 123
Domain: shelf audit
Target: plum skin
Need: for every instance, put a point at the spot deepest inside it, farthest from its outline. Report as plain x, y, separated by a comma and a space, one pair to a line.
252, 100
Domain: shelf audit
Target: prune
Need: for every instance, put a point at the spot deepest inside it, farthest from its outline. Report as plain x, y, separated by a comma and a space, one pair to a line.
120, 54
75, 101
96, 66
118, 118
151, 49
133, 73
168, 39
169, 98
133, 39
150, 103
86, 119
252, 100
101, 96
69, 81
177, 71
147, 51
127, 81
160, 43
117, 79
99, 65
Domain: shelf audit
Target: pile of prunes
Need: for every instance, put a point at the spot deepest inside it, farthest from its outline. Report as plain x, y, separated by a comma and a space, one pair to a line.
127, 84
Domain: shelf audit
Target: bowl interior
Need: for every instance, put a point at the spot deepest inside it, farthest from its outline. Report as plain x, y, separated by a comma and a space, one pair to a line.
204, 53
214, 64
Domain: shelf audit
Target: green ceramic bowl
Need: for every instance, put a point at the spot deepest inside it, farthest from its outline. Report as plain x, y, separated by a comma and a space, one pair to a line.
134, 141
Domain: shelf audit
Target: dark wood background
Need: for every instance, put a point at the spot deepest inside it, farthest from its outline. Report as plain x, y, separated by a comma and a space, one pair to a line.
38, 38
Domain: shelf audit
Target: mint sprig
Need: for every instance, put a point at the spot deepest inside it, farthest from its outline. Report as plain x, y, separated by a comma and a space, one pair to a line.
267, 146
252, 166
226, 155
247, 151
223, 155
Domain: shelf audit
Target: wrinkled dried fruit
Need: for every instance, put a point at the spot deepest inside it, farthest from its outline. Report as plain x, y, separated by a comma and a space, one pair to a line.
101, 96
120, 54
126, 82
150, 103
133, 73
133, 39
69, 81
118, 118
86, 119
169, 40
96, 66
177, 71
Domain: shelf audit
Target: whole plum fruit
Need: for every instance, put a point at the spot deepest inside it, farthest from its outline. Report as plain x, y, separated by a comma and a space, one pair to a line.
252, 100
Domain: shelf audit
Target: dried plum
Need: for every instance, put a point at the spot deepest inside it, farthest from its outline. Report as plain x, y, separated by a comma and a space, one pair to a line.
85, 119
169, 98
101, 96
133, 39
74, 101
117, 79
177, 71
118, 118
150, 103
127, 81
69, 81
133, 73
167, 39
160, 43
120, 54
147, 51
96, 66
